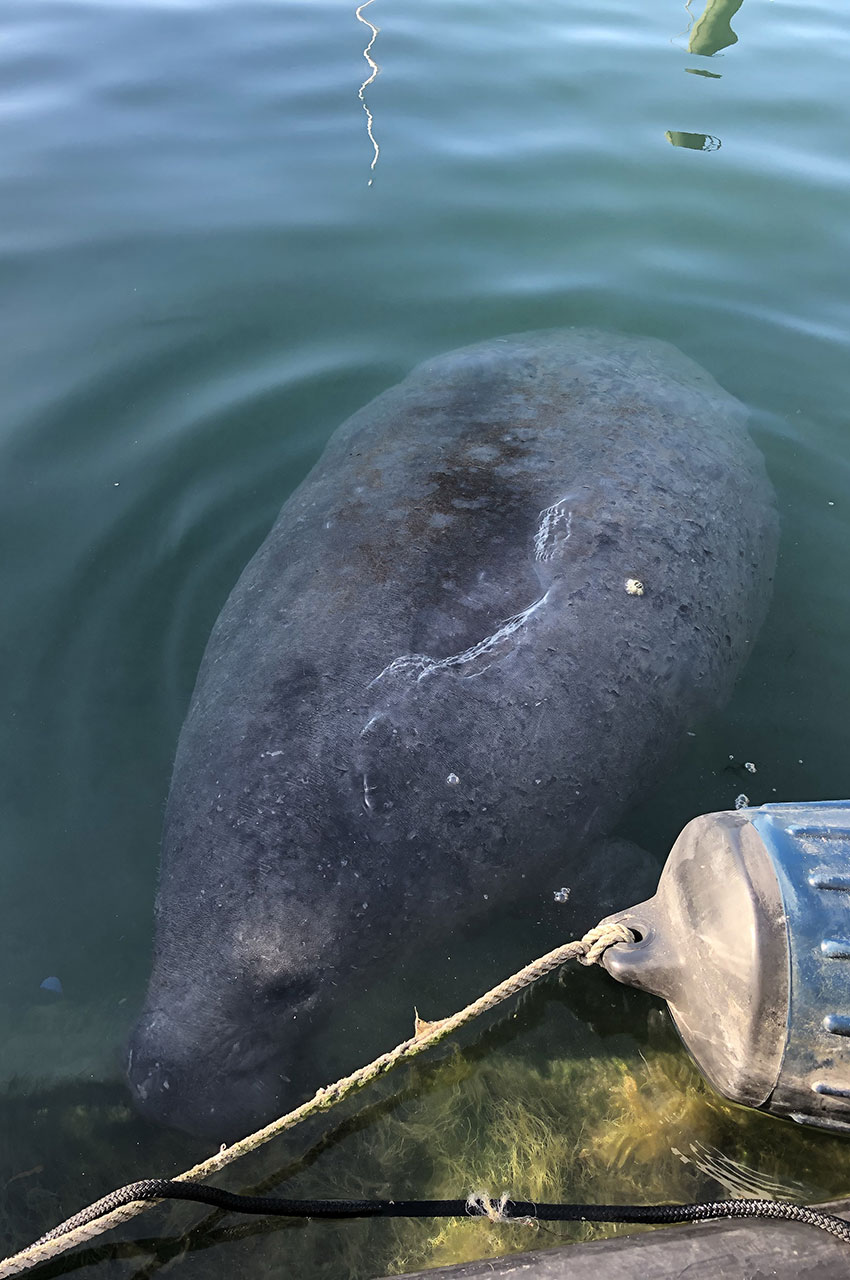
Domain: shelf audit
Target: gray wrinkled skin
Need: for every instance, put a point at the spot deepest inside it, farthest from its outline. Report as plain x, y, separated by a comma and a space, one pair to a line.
430, 675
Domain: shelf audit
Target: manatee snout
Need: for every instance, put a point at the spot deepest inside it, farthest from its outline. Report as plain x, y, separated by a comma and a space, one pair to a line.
217, 1073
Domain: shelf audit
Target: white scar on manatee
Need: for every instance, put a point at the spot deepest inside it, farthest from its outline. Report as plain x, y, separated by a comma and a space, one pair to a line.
556, 525
553, 530
368, 802
426, 665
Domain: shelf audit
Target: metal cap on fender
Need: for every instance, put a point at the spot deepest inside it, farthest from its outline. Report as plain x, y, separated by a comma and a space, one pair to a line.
745, 939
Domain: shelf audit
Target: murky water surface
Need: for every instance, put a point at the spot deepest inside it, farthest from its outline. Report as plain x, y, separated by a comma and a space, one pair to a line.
214, 245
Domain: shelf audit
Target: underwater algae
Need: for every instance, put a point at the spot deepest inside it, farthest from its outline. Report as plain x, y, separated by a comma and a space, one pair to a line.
639, 1130
639, 1126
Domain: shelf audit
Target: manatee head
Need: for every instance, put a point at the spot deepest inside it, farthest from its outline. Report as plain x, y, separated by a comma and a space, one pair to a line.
239, 983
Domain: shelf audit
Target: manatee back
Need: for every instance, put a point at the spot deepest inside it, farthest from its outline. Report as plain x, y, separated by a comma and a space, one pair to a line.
433, 673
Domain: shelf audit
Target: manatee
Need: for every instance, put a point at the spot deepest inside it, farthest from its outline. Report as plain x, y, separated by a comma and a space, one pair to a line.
506, 590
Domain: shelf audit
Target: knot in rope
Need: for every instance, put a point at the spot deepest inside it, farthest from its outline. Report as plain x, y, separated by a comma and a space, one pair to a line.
480, 1204
600, 938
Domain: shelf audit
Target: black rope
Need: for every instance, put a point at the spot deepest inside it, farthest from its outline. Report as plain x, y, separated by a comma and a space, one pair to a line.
272, 1206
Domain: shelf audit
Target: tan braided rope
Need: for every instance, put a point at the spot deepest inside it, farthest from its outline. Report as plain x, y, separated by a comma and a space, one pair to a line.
588, 950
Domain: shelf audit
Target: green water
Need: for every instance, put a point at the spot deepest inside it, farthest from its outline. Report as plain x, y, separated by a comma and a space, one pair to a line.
213, 249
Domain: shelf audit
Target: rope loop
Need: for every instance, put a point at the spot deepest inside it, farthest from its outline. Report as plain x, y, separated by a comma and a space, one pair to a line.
600, 938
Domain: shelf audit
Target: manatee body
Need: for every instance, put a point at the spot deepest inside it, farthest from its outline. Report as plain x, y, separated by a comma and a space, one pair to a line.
433, 675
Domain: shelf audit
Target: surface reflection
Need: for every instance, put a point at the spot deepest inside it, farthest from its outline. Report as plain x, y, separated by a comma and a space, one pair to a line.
693, 141
713, 31
373, 72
